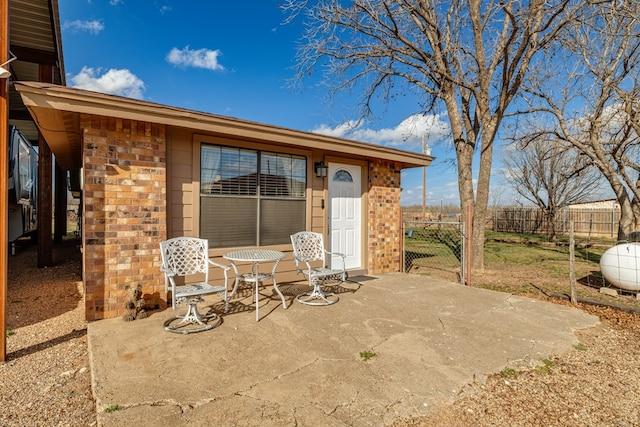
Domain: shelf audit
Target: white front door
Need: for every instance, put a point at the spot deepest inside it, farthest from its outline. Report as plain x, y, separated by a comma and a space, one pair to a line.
345, 194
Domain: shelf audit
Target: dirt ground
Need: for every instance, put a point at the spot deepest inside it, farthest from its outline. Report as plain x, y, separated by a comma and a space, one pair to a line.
594, 384
46, 380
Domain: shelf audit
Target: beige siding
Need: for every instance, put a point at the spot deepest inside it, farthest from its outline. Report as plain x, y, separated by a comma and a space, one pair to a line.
135, 259
184, 148
181, 184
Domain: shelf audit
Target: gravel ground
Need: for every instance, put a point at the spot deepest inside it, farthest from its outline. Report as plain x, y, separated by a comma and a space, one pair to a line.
46, 380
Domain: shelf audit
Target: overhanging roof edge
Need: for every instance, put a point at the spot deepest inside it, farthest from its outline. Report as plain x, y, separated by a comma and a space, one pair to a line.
46, 95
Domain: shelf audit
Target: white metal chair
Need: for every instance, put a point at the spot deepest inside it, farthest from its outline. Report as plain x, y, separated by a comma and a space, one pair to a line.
309, 257
183, 257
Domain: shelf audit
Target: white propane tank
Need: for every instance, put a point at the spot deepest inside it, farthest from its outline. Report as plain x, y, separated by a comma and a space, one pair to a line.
620, 266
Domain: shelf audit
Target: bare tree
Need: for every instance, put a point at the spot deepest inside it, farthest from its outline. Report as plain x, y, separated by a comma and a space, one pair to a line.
469, 56
595, 107
550, 175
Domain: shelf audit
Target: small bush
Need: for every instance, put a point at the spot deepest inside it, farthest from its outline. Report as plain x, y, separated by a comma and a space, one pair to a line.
509, 373
545, 368
366, 355
113, 408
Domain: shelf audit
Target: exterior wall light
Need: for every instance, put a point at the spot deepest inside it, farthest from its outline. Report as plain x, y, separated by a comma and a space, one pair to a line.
4, 72
321, 169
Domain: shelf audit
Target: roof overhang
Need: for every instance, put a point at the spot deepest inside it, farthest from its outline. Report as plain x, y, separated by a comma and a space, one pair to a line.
35, 40
57, 110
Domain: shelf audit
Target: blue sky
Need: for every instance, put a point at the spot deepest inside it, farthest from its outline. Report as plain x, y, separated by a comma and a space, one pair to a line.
234, 59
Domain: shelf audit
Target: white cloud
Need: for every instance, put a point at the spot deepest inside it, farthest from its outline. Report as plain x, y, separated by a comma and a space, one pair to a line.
92, 27
115, 2
115, 82
340, 131
409, 132
201, 58
164, 9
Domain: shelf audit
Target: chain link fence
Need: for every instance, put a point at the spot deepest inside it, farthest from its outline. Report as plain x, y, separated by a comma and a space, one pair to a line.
434, 249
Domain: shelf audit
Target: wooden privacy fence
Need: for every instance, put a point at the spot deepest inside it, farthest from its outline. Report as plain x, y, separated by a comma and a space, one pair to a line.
532, 220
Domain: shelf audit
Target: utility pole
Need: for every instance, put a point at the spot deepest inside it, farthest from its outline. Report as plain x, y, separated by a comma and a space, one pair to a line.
425, 150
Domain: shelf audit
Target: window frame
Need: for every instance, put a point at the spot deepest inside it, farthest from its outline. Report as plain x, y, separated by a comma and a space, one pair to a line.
201, 140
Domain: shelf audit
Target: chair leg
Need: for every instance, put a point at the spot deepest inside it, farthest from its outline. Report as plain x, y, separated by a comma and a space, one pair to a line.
192, 317
226, 303
317, 296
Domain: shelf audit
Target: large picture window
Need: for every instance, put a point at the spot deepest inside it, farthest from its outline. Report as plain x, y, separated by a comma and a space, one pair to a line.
250, 197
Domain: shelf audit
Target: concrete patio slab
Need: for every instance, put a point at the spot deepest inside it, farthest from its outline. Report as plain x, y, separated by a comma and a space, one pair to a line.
303, 367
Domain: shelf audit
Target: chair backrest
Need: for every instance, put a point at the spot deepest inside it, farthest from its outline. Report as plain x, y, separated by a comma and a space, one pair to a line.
184, 256
308, 246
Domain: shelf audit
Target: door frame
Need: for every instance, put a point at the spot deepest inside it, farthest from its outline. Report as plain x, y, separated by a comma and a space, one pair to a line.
364, 180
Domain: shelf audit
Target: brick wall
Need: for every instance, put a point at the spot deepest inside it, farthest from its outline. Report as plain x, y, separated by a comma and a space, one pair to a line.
385, 229
124, 212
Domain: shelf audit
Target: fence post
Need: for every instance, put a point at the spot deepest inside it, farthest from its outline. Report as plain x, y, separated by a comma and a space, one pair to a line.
572, 264
613, 217
404, 248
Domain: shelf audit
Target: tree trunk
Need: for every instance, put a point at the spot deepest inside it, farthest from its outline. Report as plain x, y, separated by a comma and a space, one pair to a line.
464, 143
482, 192
551, 224
625, 226
635, 207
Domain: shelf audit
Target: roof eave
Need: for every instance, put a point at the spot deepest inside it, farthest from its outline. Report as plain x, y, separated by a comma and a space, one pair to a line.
41, 96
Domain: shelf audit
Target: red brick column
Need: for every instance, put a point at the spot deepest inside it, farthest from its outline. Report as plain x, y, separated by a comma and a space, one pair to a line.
385, 215
124, 212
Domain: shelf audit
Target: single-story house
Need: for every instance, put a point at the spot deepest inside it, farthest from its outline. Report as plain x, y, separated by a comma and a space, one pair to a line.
596, 204
151, 172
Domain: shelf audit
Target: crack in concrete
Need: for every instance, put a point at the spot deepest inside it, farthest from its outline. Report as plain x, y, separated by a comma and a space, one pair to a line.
527, 361
295, 409
277, 377
184, 406
509, 299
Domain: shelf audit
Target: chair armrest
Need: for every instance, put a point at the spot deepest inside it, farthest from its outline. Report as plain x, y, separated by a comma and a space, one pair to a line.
224, 267
167, 274
299, 259
166, 271
341, 255
335, 253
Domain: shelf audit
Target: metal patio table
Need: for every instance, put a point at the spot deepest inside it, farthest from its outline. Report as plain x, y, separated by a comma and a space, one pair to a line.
255, 257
